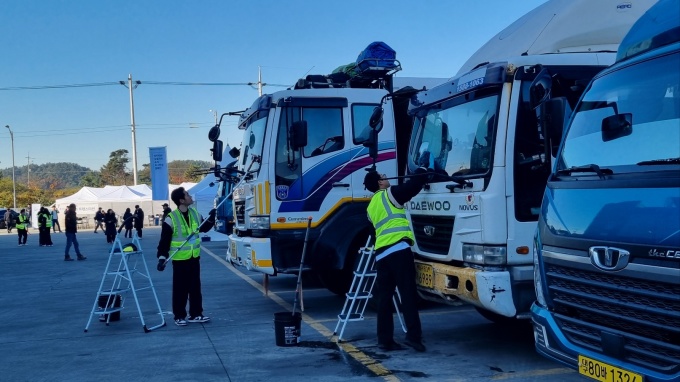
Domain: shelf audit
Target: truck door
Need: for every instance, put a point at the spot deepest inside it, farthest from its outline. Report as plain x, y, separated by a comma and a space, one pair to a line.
308, 177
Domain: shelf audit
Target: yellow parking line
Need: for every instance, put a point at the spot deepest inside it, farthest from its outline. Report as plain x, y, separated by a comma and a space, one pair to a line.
371, 364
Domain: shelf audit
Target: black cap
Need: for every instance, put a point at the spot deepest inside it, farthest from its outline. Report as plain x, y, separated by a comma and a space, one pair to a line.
371, 181
137, 206
165, 205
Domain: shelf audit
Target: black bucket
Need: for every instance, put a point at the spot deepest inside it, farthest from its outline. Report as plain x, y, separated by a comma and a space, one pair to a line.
287, 328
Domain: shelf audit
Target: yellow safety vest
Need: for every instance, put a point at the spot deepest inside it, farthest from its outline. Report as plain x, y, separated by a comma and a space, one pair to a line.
389, 221
48, 220
180, 232
22, 221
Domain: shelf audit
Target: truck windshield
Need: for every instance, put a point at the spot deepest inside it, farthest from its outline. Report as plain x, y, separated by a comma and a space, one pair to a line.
253, 141
460, 136
653, 102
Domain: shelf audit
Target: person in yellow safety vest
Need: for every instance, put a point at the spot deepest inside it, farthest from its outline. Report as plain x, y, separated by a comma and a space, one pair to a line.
181, 242
45, 227
22, 229
393, 257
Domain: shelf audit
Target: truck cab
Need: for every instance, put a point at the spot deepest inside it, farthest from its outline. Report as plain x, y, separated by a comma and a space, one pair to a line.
607, 247
485, 128
303, 156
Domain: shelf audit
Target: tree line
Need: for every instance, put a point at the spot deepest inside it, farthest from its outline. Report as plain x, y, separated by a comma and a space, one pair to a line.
47, 182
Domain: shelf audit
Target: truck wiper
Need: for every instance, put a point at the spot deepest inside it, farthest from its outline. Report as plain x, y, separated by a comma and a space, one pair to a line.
659, 161
601, 172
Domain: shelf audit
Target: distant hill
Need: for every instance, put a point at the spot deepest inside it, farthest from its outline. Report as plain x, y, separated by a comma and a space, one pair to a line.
49, 175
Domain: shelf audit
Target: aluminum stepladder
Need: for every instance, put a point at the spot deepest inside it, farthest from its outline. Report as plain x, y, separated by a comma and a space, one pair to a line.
121, 281
361, 291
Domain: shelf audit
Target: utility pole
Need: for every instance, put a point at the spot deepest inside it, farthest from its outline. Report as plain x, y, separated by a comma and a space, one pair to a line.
28, 170
259, 82
132, 124
14, 183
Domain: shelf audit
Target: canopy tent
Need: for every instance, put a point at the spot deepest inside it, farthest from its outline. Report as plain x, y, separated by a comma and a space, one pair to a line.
117, 198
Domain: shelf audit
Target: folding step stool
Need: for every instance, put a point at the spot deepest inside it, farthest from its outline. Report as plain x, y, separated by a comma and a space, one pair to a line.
361, 291
121, 281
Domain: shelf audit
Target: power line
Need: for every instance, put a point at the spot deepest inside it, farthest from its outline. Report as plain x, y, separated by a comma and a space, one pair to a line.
42, 87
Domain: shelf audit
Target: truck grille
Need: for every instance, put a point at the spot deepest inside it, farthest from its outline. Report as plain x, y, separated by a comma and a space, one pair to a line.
240, 211
644, 313
439, 240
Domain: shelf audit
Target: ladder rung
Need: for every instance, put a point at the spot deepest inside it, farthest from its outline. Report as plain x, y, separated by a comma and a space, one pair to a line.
350, 317
113, 292
359, 295
121, 272
108, 310
127, 253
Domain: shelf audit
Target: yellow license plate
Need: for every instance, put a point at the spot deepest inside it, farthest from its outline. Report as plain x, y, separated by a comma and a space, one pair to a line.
232, 244
424, 275
604, 372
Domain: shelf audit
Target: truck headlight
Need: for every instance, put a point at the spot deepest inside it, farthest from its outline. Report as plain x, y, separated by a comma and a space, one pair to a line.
259, 222
484, 254
538, 280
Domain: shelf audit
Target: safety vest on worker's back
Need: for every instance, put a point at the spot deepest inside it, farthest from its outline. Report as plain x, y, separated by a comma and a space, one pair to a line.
389, 221
48, 220
22, 222
180, 232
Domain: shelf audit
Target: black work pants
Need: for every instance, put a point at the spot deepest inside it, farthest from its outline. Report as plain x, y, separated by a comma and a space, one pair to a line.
23, 235
397, 270
186, 285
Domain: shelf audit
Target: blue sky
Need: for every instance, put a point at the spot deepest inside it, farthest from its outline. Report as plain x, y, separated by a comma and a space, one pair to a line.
60, 42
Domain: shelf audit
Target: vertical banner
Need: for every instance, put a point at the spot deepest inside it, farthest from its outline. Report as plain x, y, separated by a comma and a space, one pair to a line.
159, 173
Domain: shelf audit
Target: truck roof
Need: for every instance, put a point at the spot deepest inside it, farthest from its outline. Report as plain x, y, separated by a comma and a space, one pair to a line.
659, 26
562, 26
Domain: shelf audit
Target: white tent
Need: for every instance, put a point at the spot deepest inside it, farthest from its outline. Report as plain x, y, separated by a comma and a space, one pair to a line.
117, 198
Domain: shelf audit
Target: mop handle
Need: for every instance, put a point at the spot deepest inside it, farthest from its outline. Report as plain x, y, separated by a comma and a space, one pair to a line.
255, 159
302, 261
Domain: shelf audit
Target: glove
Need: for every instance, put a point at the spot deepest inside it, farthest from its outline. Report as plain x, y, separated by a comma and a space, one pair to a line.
161, 264
426, 160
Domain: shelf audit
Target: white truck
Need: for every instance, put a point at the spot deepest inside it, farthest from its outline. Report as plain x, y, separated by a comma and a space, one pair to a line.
474, 236
304, 157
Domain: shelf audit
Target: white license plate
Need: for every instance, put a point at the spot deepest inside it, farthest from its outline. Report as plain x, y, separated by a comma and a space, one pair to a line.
232, 245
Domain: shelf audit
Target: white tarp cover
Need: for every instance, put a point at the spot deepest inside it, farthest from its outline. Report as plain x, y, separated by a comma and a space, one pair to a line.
559, 26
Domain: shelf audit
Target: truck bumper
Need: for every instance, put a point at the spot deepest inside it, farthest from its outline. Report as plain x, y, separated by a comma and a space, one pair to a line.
488, 290
255, 254
553, 344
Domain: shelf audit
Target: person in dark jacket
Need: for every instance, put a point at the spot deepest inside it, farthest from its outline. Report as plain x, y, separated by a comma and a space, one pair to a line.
166, 211
98, 220
110, 223
179, 239
394, 262
71, 228
45, 227
128, 221
139, 220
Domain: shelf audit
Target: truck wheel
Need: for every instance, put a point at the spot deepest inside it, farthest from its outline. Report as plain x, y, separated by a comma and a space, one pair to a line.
497, 318
339, 281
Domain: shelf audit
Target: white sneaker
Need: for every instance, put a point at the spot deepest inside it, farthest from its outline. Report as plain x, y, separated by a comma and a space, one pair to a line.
180, 322
198, 319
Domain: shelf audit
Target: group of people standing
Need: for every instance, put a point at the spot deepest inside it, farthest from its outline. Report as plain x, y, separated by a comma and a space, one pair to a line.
108, 222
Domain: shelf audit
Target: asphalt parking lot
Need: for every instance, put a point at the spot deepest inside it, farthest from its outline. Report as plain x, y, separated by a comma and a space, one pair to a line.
46, 304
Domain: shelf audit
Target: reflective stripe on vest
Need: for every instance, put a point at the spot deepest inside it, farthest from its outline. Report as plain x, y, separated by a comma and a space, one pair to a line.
48, 220
22, 222
180, 232
389, 221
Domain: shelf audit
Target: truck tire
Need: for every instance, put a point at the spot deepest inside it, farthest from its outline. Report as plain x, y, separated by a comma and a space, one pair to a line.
338, 281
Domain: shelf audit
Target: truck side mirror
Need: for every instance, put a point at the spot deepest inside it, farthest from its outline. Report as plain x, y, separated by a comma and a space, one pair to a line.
372, 144
217, 150
376, 119
617, 126
298, 134
540, 88
214, 133
554, 115
234, 152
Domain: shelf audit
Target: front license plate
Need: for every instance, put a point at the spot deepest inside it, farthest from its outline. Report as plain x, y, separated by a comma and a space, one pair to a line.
604, 372
424, 275
232, 245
